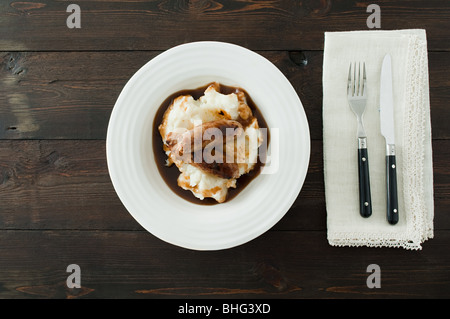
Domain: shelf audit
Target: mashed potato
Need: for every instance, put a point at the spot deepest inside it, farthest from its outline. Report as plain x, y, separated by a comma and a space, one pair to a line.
210, 163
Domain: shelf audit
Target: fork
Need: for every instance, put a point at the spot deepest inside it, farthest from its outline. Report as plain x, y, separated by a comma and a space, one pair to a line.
357, 98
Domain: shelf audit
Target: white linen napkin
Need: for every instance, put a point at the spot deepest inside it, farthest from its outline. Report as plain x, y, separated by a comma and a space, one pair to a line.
345, 226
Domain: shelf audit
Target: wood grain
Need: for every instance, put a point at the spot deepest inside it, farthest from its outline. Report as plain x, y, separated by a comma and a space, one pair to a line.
53, 184
124, 264
70, 95
158, 25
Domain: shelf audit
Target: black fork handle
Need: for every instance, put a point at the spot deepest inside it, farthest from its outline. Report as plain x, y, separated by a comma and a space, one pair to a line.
365, 199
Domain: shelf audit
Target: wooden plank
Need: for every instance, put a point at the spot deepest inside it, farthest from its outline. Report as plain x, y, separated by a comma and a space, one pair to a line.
259, 25
121, 264
50, 184
64, 97
62, 184
70, 95
439, 83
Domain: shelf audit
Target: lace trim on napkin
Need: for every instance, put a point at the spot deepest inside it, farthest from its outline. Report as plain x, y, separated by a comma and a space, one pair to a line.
419, 228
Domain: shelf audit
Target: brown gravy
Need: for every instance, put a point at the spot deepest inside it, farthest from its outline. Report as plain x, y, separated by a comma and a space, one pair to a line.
170, 174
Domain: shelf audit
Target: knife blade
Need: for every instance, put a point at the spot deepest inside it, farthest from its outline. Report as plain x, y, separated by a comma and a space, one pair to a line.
388, 131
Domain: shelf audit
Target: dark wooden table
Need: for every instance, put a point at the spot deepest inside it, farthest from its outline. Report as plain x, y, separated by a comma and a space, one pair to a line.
58, 206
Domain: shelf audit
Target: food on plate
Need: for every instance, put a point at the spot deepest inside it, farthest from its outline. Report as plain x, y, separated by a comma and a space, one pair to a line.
212, 136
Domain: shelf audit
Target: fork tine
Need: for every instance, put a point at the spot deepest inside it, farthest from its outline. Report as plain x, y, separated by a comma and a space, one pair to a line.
354, 79
359, 79
349, 80
364, 78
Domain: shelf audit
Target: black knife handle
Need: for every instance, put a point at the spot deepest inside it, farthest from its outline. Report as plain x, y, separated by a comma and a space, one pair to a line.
365, 200
391, 184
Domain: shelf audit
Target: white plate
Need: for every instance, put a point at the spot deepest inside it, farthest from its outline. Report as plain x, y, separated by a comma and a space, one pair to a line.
133, 170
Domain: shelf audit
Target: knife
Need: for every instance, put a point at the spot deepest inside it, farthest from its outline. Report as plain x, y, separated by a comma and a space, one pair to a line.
387, 130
